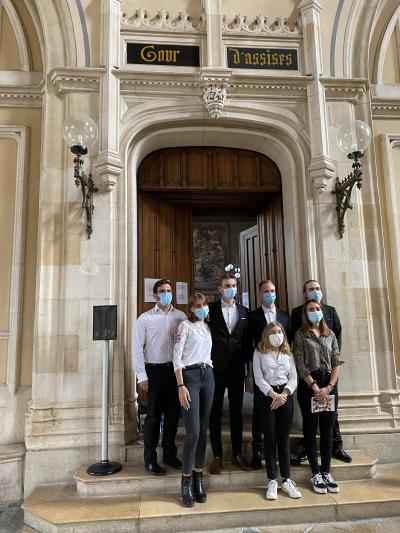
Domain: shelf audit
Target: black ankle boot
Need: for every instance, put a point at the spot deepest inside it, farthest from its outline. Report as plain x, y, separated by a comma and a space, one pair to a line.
186, 489
198, 488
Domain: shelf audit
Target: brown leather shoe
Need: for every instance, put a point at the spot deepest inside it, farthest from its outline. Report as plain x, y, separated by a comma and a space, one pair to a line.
242, 463
215, 467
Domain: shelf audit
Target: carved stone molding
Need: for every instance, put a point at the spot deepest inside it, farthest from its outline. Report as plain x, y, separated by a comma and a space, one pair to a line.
163, 21
384, 108
215, 83
321, 170
261, 26
350, 90
25, 96
76, 80
108, 167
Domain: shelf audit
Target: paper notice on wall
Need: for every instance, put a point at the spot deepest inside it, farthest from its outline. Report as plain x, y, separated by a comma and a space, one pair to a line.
148, 289
245, 299
181, 292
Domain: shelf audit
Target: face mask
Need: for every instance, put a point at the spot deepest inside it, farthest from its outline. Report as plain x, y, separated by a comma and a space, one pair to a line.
230, 293
315, 295
315, 316
201, 312
165, 298
276, 339
269, 298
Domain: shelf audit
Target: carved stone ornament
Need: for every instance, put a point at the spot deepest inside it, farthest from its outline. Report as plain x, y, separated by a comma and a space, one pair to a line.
261, 25
163, 21
214, 98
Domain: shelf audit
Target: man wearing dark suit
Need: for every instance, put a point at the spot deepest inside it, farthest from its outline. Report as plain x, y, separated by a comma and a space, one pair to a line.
312, 291
266, 313
228, 323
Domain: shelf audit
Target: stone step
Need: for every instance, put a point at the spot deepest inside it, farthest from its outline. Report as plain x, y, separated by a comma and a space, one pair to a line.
133, 479
59, 509
134, 450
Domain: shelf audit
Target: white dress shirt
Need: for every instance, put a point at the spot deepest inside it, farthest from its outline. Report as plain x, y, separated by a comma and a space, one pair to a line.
230, 313
153, 339
270, 313
270, 371
194, 346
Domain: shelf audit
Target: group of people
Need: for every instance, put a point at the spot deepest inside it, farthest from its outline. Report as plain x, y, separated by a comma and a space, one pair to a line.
187, 363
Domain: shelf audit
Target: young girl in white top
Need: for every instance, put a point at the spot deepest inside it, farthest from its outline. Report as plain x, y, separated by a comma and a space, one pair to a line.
195, 378
275, 375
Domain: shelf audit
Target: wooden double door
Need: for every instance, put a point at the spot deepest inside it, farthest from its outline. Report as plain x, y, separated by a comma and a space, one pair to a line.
175, 183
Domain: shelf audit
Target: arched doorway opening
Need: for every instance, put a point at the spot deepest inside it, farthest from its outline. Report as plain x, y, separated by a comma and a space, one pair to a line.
200, 208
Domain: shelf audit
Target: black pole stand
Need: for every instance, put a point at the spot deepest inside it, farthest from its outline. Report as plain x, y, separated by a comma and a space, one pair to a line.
105, 467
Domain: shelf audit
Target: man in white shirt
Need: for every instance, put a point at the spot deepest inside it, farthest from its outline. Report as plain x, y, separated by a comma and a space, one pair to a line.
152, 354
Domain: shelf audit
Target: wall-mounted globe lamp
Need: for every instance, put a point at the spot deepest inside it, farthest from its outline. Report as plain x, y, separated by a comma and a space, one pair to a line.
80, 132
353, 139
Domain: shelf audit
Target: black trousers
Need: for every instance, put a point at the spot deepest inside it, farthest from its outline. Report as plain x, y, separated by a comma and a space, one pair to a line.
200, 384
326, 421
161, 398
234, 382
276, 425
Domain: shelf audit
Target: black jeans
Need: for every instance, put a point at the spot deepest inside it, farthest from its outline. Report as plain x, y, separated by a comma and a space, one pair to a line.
161, 398
276, 425
200, 384
257, 420
326, 422
234, 382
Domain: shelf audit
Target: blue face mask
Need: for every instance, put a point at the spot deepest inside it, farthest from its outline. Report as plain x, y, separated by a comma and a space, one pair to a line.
315, 317
165, 298
230, 293
315, 295
201, 312
269, 298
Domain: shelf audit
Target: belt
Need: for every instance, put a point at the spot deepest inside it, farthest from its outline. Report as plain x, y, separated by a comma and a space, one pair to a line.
197, 365
169, 363
278, 388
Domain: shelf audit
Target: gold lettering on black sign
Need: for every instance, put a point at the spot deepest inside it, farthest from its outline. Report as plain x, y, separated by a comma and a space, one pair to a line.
149, 55
262, 58
163, 54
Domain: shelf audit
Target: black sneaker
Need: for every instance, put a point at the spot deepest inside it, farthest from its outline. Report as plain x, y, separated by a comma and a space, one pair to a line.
330, 483
318, 484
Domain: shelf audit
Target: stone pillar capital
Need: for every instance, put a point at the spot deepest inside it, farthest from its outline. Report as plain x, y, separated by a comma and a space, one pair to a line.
307, 6
321, 170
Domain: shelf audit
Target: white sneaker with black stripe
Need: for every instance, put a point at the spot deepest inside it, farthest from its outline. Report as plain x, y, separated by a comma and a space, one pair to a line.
330, 483
318, 484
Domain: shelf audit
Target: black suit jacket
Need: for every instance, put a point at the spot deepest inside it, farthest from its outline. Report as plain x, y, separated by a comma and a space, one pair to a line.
229, 350
330, 316
257, 324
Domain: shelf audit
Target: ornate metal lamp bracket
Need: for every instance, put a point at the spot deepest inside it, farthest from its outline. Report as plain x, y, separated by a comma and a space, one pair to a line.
343, 189
85, 181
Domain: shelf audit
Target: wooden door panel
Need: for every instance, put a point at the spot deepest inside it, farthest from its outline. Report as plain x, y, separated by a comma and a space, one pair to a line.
197, 171
225, 166
250, 263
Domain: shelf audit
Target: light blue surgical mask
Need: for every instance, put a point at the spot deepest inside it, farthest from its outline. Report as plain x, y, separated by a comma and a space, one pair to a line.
165, 298
201, 312
315, 295
230, 293
315, 317
269, 298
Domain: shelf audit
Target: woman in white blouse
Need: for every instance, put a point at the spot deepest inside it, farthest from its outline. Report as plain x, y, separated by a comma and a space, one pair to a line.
195, 379
275, 375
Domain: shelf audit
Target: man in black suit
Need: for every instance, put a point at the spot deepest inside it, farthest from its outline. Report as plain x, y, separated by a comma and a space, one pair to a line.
228, 323
266, 313
312, 291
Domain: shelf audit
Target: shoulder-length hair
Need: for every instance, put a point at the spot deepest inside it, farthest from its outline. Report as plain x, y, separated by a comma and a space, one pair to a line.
306, 325
194, 299
265, 346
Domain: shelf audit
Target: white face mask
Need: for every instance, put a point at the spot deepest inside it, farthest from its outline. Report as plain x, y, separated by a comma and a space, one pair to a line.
276, 339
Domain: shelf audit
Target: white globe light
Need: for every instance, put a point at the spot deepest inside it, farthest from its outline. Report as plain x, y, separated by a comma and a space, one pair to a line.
353, 137
80, 130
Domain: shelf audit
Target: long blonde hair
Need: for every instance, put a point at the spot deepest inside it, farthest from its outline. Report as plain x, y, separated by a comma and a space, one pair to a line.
265, 346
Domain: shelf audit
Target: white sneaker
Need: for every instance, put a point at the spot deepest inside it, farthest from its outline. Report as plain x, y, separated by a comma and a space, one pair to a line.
290, 488
272, 490
318, 484
330, 483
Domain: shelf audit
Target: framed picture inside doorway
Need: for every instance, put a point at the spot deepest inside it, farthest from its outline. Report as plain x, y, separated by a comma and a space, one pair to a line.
210, 251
